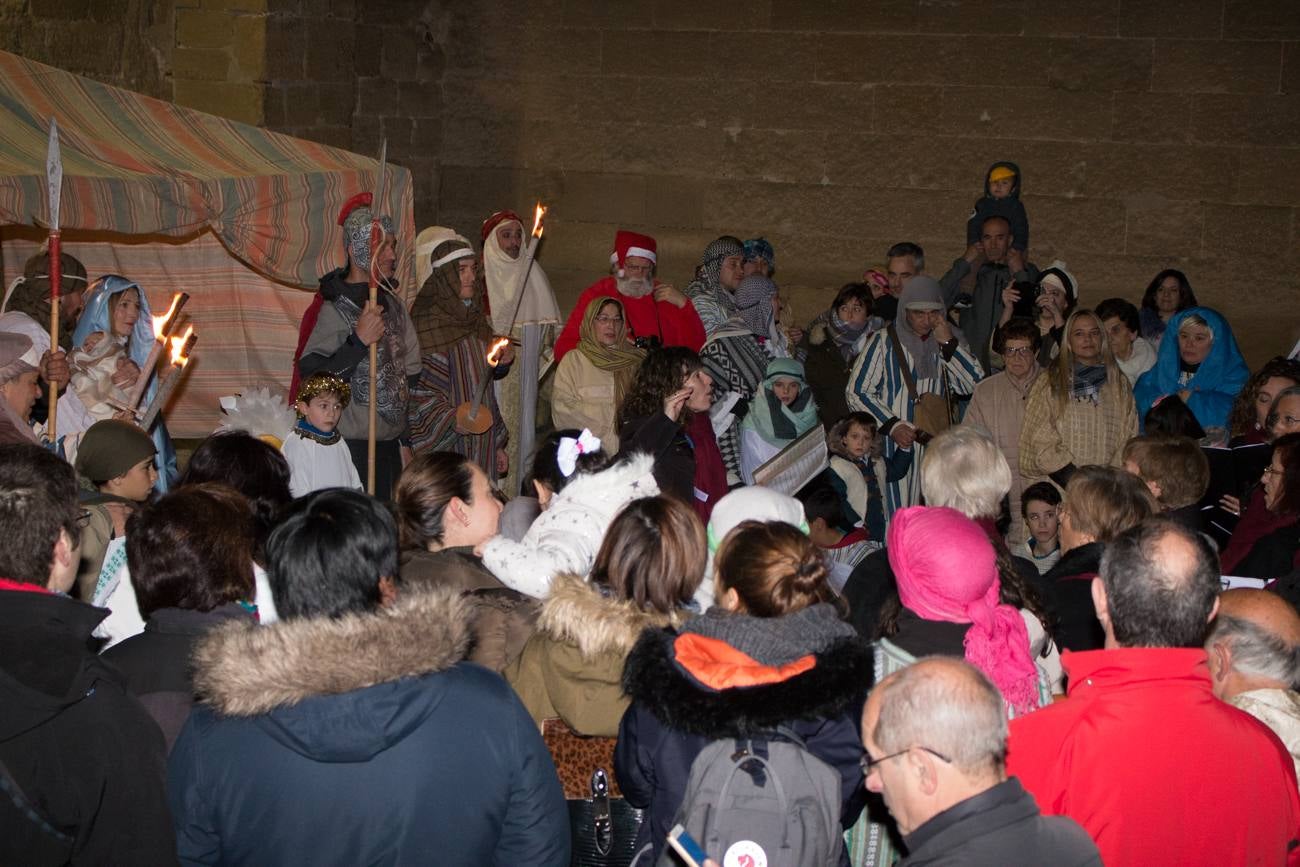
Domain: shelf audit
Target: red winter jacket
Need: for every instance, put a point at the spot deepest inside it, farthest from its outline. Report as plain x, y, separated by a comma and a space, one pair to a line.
1155, 768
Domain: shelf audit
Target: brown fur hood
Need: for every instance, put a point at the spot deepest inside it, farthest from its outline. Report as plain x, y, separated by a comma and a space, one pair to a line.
576, 613
242, 669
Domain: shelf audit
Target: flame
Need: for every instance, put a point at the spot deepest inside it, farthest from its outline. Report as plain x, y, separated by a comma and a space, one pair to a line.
495, 352
538, 213
160, 322
179, 358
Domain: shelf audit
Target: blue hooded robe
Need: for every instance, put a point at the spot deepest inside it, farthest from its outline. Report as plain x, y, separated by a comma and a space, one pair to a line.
1215, 384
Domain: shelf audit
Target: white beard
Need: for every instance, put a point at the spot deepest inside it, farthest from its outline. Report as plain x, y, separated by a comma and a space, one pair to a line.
634, 287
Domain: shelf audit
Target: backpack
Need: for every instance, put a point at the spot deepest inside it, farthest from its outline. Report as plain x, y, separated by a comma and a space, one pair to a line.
764, 797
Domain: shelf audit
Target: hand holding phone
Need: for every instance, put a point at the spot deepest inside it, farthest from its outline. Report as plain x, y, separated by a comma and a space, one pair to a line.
684, 844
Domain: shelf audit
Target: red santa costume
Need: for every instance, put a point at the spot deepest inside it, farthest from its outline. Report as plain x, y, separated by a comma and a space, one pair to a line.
672, 325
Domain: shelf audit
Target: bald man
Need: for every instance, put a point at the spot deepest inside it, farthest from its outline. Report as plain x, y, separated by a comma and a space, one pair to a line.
1254, 650
935, 735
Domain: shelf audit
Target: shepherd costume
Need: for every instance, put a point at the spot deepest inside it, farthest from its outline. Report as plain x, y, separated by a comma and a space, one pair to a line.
1214, 383
328, 342
590, 383
713, 301
646, 317
770, 426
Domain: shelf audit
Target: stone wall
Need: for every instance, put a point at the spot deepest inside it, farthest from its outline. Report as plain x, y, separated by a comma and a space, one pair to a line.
1151, 133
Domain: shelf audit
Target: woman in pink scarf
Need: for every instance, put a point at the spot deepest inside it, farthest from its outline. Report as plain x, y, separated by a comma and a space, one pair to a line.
947, 571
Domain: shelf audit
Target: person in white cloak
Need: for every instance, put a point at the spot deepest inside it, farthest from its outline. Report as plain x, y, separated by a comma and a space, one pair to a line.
318, 458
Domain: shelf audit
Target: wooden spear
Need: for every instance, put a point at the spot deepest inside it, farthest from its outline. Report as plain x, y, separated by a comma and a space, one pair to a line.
54, 185
376, 238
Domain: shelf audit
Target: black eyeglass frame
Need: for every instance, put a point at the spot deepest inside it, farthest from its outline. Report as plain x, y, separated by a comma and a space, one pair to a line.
866, 762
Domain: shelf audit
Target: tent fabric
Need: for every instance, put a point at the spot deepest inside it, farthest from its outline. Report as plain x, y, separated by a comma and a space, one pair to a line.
140, 166
247, 325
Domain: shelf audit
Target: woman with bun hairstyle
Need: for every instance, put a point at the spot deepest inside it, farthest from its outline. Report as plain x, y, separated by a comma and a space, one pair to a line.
645, 574
772, 653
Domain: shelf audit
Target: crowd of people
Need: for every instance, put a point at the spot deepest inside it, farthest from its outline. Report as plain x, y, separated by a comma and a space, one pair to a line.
992, 628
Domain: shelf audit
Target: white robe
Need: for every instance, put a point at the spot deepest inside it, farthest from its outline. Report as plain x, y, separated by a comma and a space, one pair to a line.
313, 466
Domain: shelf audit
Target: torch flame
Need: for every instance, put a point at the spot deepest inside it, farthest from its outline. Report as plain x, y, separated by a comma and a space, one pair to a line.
179, 358
160, 322
495, 352
538, 213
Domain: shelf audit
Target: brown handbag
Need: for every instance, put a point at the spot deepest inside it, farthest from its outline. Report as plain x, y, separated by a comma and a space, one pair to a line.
577, 756
931, 413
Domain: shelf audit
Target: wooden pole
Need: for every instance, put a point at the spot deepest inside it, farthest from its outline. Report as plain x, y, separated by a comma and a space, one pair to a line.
376, 237
56, 285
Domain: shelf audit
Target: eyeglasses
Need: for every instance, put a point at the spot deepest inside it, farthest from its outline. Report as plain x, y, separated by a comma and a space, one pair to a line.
83, 519
867, 763
610, 320
642, 270
1024, 350
1270, 471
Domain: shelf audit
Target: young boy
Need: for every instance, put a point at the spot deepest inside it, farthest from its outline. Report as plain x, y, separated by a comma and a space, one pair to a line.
1039, 506
859, 473
1001, 199
317, 455
116, 461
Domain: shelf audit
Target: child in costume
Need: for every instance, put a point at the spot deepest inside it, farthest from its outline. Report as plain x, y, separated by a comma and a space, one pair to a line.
859, 473
317, 455
1001, 199
781, 412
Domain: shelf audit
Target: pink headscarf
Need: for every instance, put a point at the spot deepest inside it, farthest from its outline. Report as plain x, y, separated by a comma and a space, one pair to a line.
947, 570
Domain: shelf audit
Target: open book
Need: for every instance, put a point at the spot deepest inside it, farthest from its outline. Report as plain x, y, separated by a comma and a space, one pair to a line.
795, 465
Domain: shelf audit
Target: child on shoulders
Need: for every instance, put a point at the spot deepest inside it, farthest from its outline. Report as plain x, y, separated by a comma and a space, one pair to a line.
1001, 199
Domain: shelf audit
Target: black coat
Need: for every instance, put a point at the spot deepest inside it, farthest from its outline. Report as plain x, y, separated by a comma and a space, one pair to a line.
83, 752
1066, 589
156, 663
1000, 826
1272, 556
362, 740
666, 441
673, 717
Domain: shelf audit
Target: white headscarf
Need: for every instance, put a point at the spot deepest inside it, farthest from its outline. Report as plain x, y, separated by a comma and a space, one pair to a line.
502, 275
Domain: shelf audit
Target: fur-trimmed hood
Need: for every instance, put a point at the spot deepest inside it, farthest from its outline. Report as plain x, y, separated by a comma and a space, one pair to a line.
242, 669
578, 613
836, 682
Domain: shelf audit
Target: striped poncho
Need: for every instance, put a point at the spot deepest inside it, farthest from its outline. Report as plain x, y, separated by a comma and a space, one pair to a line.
448, 379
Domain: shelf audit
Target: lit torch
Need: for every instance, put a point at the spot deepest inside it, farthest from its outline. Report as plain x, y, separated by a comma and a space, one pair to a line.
162, 326
181, 347
494, 354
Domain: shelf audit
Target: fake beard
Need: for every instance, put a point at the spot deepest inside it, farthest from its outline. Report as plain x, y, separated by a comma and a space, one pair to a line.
634, 287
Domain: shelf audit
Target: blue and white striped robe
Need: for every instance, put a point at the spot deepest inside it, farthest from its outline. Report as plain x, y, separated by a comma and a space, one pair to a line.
876, 386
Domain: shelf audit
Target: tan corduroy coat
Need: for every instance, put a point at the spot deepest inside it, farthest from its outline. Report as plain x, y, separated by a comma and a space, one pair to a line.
1085, 433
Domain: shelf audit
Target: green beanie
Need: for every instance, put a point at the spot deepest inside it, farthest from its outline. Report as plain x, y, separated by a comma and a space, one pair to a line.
110, 448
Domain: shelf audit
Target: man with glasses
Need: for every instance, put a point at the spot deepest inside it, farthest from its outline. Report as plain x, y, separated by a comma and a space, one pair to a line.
1142, 754
658, 314
82, 765
936, 742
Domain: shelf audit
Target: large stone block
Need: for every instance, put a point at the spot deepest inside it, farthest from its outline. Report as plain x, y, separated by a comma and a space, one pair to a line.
1218, 66
549, 145
201, 64
1260, 19
80, 47
235, 5
658, 149
250, 48
1026, 113
674, 202
204, 28
1268, 176
574, 98
469, 96
704, 103
1100, 65
376, 96
1076, 227
110, 11
72, 10
1248, 120
776, 156
741, 15
286, 48
1291, 68
904, 109
338, 102
763, 56
601, 197
418, 99
239, 101
843, 109
1190, 173
517, 52
876, 161
301, 104
469, 189
329, 52
1190, 19
368, 50
1162, 226
1249, 230
476, 142
912, 59
607, 14
1077, 18
400, 55
845, 16
658, 53
1164, 118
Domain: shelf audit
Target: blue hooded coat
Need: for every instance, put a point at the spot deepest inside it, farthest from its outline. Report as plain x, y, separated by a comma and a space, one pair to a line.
95, 317
1216, 382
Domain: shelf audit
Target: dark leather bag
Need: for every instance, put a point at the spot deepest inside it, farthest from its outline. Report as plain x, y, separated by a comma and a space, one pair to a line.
603, 825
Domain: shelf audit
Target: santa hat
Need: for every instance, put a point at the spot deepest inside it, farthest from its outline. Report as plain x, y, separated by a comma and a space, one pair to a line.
632, 244
497, 219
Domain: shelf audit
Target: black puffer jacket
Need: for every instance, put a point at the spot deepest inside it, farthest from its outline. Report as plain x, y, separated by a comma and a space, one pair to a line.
680, 702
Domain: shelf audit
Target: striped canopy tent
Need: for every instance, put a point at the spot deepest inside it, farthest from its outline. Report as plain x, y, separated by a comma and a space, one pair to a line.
241, 218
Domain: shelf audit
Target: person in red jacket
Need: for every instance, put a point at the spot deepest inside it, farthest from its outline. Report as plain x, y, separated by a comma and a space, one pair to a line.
1142, 755
657, 314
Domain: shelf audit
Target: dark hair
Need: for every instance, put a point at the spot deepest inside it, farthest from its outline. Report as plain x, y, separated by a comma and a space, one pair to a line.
1171, 417
1287, 449
853, 292
1017, 328
841, 428
821, 501
773, 567
653, 554
908, 248
328, 553
1043, 492
191, 548
38, 498
1150, 600
546, 464
1122, 310
1176, 464
1186, 297
662, 372
425, 488
254, 468
1242, 419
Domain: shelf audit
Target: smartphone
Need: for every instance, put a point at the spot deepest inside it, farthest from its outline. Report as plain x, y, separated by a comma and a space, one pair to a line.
692, 853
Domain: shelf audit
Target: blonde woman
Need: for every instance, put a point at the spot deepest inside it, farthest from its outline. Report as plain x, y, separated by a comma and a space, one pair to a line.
1081, 410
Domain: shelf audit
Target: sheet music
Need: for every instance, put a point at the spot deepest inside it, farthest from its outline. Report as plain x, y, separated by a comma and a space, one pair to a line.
795, 465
